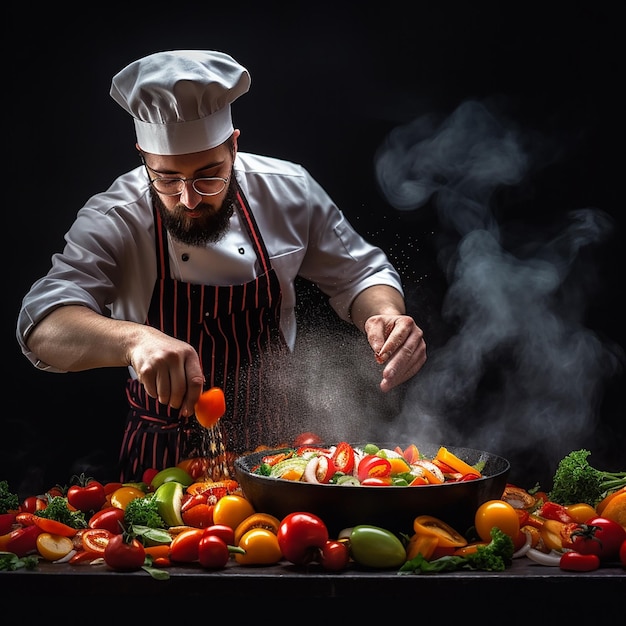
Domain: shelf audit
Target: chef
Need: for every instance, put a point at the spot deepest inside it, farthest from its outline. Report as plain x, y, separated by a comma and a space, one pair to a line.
183, 270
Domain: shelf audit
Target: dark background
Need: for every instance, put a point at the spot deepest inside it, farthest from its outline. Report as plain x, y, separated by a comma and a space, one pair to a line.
328, 83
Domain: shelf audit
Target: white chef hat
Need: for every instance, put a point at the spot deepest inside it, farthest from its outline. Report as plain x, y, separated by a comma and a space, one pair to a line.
180, 100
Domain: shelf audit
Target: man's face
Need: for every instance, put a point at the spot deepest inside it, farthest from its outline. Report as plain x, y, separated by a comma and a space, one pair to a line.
191, 217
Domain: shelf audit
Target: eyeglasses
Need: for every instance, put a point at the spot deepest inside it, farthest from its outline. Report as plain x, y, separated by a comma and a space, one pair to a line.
205, 186
175, 186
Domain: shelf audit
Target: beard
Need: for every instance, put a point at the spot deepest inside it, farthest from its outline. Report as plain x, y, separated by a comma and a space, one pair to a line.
210, 227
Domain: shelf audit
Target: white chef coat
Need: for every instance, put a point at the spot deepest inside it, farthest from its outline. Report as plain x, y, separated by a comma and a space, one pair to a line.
109, 264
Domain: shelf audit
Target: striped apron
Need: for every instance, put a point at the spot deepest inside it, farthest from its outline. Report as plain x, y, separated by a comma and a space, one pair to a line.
236, 332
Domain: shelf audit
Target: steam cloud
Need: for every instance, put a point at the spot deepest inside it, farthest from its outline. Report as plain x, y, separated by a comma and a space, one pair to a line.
521, 376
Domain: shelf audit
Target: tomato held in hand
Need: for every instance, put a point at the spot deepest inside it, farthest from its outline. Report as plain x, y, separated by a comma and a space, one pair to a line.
210, 407
124, 554
301, 536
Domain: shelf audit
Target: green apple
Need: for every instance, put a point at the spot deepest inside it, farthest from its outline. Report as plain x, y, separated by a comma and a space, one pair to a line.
176, 474
169, 497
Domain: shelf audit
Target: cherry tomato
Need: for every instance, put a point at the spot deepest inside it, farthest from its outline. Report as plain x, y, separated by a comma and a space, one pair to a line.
260, 547
599, 536
96, 539
184, 546
301, 537
231, 510
225, 533
53, 547
496, 513
87, 495
573, 561
124, 554
343, 458
335, 555
110, 518
212, 552
32, 504
148, 475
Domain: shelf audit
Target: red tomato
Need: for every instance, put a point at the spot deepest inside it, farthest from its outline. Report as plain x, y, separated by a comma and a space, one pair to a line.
599, 536
124, 554
225, 533
335, 555
110, 517
32, 504
184, 546
109, 488
372, 466
622, 553
86, 496
573, 561
149, 474
301, 536
95, 539
343, 458
212, 552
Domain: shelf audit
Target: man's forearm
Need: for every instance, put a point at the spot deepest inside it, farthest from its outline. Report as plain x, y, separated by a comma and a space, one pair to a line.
376, 300
75, 338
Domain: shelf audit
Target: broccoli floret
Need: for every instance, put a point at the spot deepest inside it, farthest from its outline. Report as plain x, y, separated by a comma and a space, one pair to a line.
496, 556
59, 510
575, 480
8, 501
143, 512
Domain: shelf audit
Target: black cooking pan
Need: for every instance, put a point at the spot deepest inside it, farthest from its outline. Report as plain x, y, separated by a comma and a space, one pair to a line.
393, 508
